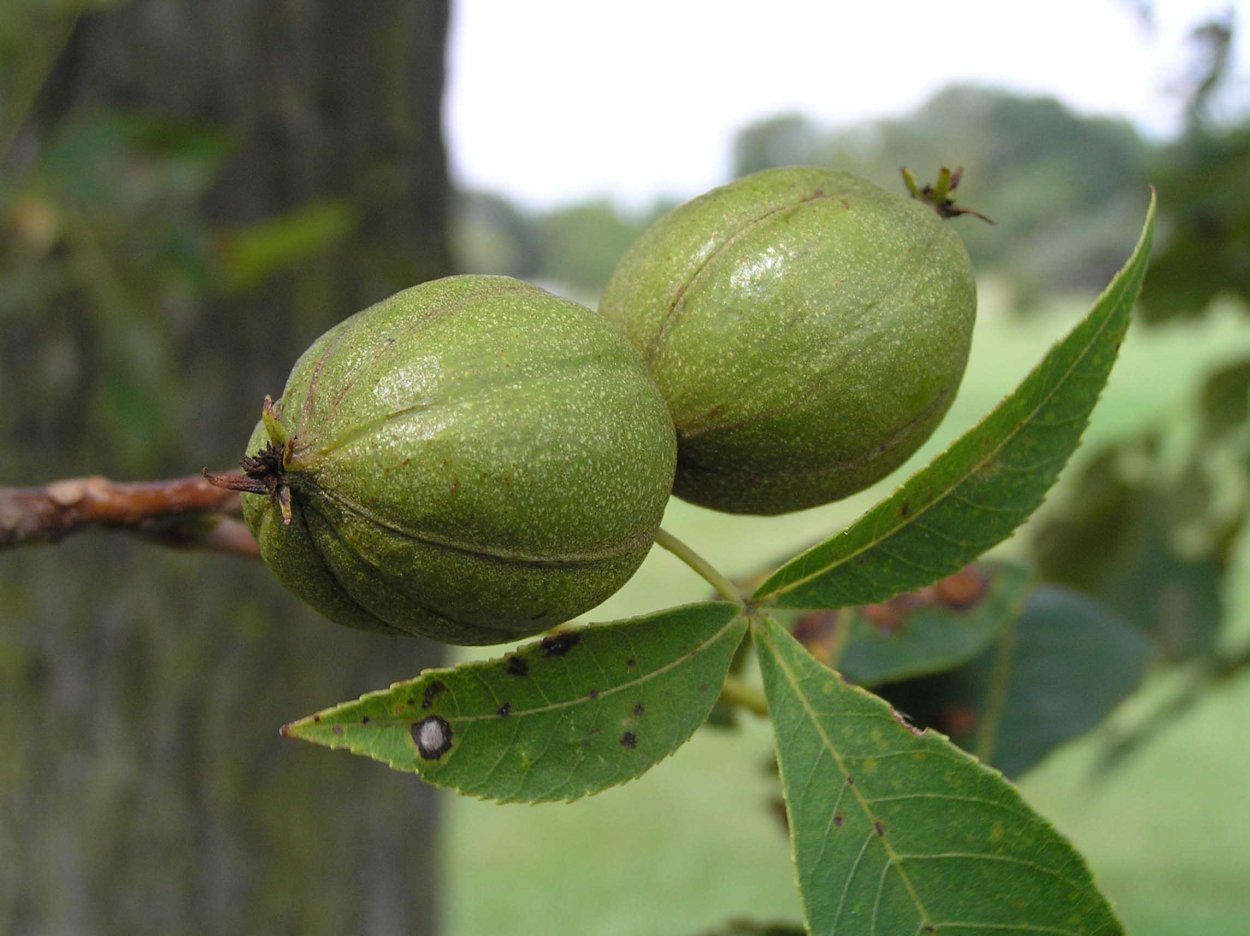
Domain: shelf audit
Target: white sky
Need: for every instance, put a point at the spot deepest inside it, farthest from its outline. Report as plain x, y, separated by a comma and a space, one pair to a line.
550, 101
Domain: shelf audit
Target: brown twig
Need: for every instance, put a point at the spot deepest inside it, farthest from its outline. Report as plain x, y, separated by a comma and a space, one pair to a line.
185, 513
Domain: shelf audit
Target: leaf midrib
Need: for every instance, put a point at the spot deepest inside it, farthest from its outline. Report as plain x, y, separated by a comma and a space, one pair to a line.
891, 855
580, 698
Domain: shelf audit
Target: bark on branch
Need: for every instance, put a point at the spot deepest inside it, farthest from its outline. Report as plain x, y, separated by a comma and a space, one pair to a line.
184, 513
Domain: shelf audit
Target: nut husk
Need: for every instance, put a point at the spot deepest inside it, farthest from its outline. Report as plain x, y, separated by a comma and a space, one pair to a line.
808, 329
471, 460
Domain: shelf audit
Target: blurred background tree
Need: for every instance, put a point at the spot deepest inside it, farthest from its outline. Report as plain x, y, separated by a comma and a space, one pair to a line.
197, 192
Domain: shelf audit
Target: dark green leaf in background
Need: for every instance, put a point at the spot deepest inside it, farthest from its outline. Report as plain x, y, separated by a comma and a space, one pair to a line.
1115, 541
725, 713
117, 169
251, 255
917, 633
105, 222
753, 928
32, 35
1053, 674
1207, 222
898, 831
574, 713
1224, 404
976, 493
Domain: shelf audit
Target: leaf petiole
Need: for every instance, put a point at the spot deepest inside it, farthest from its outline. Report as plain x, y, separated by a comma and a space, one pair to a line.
725, 588
738, 693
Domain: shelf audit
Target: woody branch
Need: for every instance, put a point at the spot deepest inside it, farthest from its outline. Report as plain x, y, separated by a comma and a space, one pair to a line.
184, 513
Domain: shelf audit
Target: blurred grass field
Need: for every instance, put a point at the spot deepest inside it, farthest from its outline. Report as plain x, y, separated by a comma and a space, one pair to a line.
696, 841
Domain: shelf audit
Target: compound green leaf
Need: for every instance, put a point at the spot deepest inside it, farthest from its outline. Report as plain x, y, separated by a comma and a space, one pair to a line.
898, 831
574, 713
1058, 667
973, 495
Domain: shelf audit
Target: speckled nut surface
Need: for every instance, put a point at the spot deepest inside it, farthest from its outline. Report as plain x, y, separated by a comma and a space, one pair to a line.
472, 460
808, 330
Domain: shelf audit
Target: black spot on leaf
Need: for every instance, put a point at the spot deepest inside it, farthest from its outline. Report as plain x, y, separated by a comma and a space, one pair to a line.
838, 819
593, 694
505, 710
432, 692
432, 736
517, 666
557, 645
629, 740
638, 709
879, 828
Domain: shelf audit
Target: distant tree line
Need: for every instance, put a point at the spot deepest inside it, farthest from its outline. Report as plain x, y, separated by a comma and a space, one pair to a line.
1065, 191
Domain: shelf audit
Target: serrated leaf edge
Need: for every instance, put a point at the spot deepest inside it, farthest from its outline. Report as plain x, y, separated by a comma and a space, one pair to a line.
292, 729
759, 628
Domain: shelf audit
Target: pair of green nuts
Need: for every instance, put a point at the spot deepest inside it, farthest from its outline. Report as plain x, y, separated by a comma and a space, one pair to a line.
475, 460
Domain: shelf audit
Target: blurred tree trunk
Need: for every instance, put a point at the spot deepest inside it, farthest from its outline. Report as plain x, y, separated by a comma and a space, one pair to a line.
143, 783
323, 102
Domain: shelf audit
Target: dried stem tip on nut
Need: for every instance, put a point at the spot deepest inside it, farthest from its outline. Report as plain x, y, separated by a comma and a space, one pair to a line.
939, 195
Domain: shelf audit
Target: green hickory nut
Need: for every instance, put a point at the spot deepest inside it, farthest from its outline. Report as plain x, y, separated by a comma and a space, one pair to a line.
808, 329
472, 460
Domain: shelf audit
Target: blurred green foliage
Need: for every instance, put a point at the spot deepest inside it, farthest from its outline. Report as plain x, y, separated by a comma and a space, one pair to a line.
1206, 253
106, 220
581, 243
1158, 525
32, 34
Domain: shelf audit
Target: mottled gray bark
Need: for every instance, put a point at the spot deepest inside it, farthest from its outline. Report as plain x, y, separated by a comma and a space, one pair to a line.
143, 785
